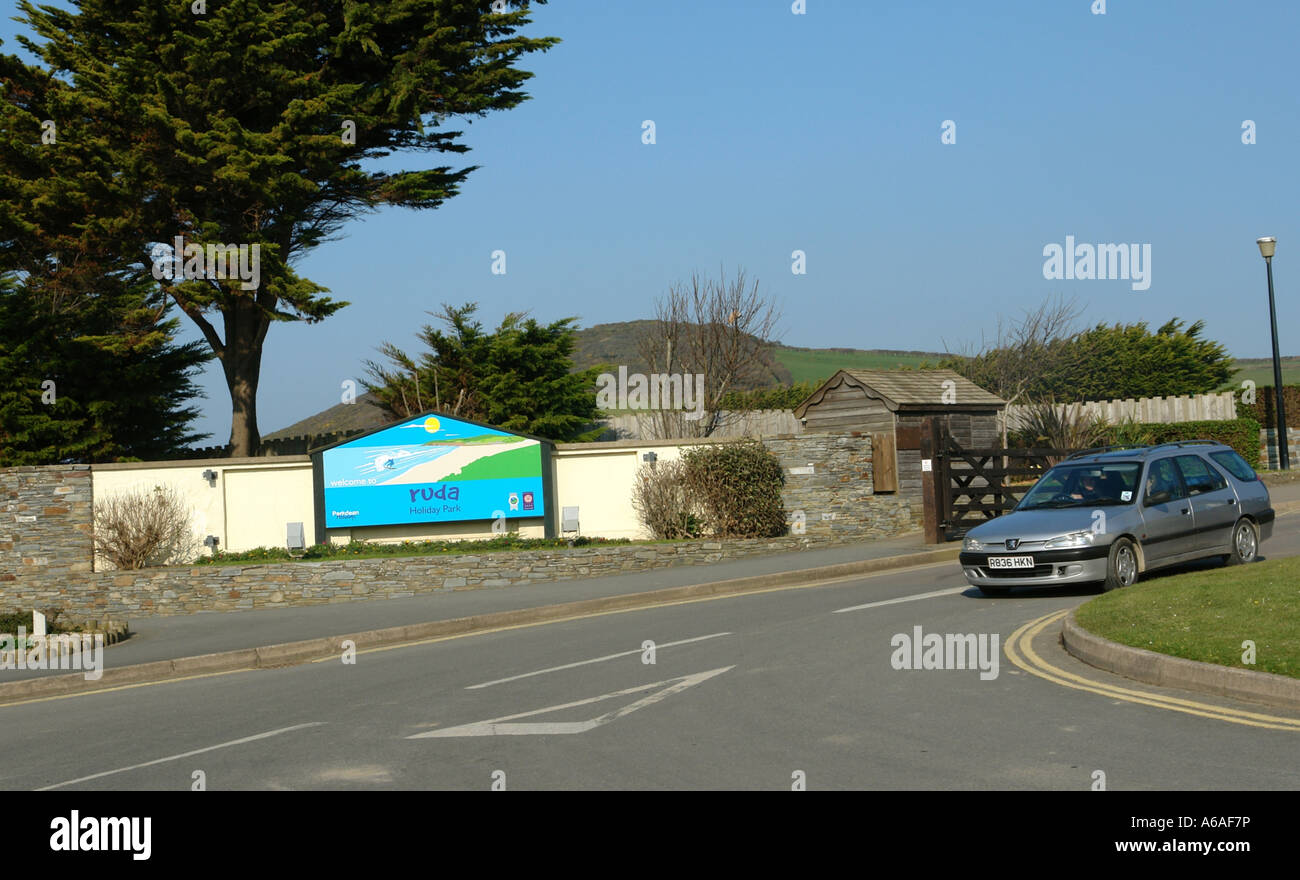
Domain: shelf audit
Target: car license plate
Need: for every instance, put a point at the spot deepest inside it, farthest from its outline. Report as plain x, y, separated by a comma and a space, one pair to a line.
1011, 562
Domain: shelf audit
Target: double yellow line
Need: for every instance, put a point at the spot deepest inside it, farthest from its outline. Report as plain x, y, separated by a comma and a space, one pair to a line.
1020, 651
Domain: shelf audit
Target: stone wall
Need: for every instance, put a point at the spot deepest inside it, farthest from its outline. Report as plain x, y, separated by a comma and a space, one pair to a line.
45, 546
1268, 451
157, 592
45, 523
838, 497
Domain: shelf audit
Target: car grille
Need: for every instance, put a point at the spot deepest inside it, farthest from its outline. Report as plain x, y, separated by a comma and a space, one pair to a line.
1044, 570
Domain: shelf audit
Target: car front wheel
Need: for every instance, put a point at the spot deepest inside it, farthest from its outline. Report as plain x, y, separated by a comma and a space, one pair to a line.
1121, 565
1245, 543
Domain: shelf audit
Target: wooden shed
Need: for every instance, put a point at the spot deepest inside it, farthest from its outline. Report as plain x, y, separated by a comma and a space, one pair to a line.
890, 404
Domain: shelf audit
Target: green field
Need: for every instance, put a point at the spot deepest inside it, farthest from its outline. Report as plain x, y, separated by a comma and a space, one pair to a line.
1260, 370
814, 364
1206, 615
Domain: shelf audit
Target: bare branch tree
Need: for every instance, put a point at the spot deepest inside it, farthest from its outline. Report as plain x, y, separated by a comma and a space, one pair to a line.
140, 528
718, 329
1022, 351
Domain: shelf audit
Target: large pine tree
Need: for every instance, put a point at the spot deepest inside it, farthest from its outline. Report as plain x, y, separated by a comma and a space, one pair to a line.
249, 124
90, 378
89, 366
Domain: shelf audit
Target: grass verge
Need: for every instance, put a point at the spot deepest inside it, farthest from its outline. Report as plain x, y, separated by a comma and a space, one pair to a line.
1206, 615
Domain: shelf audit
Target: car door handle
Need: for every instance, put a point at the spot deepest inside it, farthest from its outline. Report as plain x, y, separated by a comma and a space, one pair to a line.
1186, 511
1232, 500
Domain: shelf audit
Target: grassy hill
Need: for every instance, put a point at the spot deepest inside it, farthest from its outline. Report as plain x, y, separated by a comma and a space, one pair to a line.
1261, 371
813, 364
362, 415
617, 344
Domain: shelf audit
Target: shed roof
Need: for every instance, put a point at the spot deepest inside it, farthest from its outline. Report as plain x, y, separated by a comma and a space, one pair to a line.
910, 389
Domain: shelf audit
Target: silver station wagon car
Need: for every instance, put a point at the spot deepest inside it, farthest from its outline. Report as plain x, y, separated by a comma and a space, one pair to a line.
1108, 515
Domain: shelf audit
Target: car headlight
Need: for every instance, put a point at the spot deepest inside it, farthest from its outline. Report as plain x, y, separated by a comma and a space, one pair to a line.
1084, 538
972, 544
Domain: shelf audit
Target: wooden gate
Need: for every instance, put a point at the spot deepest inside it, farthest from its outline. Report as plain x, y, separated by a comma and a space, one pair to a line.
967, 486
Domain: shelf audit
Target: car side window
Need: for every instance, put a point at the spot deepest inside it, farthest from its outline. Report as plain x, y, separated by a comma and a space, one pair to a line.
1235, 464
1199, 476
1163, 480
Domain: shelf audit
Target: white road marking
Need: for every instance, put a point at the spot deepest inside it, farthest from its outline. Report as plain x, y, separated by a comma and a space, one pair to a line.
233, 742
497, 727
596, 660
933, 595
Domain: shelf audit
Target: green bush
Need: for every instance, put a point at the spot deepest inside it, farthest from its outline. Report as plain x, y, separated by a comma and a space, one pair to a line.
11, 620
738, 487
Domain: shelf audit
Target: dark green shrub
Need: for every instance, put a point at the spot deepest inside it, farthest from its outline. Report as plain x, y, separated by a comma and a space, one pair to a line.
738, 488
11, 620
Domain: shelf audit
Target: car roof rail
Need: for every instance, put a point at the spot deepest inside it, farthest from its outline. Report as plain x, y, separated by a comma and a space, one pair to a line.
1099, 450
1180, 443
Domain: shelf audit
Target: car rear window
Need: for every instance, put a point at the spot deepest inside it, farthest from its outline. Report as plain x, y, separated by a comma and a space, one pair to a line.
1234, 464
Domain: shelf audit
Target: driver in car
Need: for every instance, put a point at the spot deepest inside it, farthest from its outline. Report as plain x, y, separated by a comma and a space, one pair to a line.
1087, 490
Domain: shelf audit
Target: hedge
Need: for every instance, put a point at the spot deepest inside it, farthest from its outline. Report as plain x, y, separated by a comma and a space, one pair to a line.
1241, 434
780, 397
1264, 409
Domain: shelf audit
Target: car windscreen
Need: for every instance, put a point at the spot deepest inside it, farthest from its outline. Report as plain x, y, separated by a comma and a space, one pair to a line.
1084, 485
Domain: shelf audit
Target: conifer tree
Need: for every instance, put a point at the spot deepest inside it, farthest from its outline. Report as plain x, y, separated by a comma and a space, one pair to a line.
255, 123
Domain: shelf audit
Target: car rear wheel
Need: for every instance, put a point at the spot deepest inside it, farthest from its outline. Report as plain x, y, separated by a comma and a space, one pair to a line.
1121, 565
1245, 543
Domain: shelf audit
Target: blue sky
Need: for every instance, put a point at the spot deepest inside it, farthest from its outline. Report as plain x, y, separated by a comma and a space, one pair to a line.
822, 132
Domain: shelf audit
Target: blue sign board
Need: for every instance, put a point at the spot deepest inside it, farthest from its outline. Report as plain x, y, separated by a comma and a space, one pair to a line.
432, 468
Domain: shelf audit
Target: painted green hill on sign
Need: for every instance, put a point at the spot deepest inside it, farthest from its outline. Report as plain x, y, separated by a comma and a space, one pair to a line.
526, 462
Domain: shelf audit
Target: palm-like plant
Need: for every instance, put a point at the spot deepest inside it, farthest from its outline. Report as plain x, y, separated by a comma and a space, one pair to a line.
1061, 426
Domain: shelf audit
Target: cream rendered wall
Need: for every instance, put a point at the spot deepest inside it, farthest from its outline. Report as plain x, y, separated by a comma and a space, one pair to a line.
245, 507
597, 478
260, 501
253, 498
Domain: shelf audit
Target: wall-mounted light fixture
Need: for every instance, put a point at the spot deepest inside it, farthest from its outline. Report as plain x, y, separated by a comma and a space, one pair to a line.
650, 457
211, 476
211, 542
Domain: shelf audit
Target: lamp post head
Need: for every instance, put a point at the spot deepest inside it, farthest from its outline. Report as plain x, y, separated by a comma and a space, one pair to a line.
1266, 246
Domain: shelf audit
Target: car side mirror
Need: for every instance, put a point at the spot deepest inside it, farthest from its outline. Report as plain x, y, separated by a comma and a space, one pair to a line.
1158, 498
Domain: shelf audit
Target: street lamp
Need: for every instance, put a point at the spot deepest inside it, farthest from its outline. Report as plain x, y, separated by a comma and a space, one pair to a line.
1267, 246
